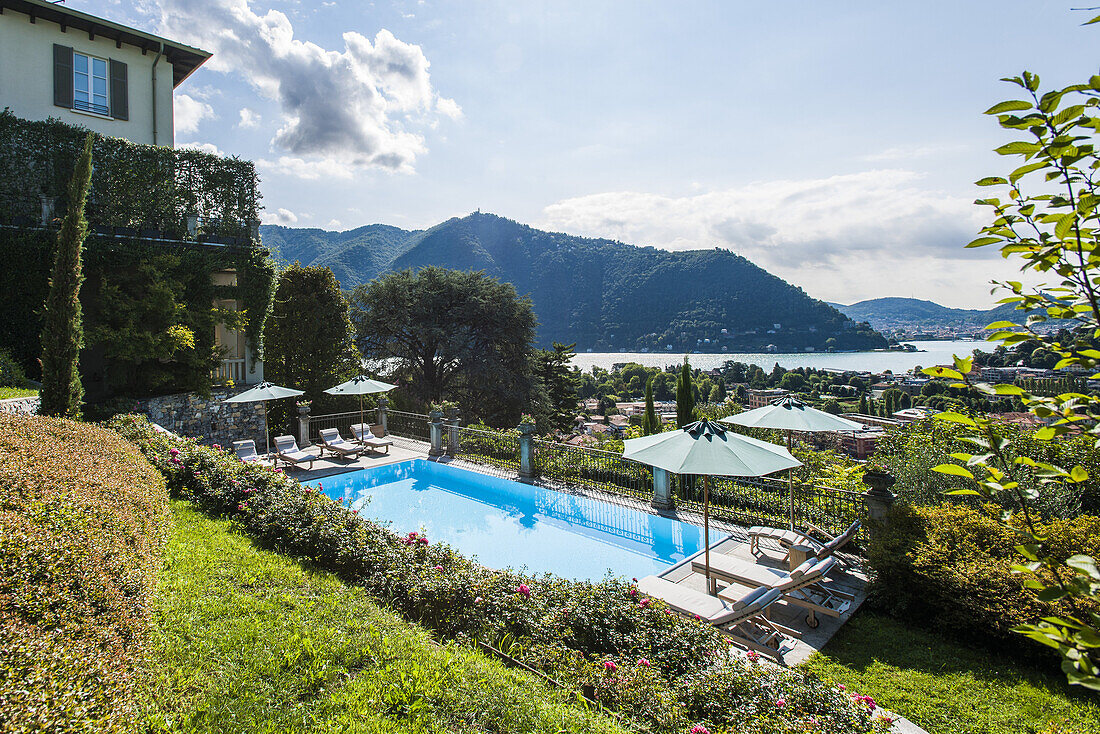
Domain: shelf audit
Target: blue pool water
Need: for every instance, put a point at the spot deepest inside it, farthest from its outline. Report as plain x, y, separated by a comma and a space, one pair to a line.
510, 524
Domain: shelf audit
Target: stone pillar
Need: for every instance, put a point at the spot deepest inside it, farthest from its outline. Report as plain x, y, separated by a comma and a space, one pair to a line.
192, 220
526, 452
878, 499
303, 426
435, 427
383, 408
254, 231
662, 489
453, 446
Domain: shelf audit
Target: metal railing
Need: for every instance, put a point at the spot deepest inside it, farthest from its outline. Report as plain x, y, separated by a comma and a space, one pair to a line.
341, 421
407, 425
830, 509
495, 448
592, 468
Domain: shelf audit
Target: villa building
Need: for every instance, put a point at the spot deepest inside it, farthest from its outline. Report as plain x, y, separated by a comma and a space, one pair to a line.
64, 73
763, 398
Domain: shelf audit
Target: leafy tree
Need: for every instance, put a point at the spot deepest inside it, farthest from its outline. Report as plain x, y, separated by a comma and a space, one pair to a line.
792, 381
685, 399
463, 336
308, 336
863, 404
905, 402
63, 327
554, 372
1051, 224
831, 406
650, 422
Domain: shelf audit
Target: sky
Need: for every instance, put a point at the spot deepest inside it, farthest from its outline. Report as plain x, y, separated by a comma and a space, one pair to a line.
833, 143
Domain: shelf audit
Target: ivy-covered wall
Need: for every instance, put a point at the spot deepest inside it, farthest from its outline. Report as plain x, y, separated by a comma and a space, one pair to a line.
136, 186
148, 308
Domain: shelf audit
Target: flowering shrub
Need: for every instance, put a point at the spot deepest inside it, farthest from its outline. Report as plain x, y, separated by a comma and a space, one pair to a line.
83, 521
635, 657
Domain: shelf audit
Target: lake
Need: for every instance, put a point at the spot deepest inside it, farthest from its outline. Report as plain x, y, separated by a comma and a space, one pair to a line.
932, 353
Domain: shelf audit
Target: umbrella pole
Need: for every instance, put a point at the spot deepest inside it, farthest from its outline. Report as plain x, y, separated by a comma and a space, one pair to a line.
267, 432
790, 481
361, 422
706, 534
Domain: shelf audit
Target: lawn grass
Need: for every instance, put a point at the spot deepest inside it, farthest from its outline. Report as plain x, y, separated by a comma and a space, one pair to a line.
16, 392
947, 688
247, 640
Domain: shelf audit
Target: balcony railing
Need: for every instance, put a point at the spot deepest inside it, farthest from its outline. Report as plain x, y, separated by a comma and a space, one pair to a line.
230, 369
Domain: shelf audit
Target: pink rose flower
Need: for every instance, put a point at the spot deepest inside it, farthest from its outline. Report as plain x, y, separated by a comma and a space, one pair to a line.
643, 662
610, 666
699, 729
644, 603
524, 589
437, 568
781, 703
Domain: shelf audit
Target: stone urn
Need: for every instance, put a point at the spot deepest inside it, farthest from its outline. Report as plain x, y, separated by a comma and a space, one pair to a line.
879, 481
303, 410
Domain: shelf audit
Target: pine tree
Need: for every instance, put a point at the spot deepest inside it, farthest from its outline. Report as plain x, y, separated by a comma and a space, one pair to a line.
863, 404
650, 425
685, 398
63, 324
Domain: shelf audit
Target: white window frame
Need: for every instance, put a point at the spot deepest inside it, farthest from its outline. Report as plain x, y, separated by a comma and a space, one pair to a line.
90, 106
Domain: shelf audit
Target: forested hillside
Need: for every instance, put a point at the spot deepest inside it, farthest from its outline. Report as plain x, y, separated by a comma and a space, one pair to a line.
604, 295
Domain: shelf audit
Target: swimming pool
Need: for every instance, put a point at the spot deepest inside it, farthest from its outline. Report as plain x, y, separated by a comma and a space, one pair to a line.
510, 524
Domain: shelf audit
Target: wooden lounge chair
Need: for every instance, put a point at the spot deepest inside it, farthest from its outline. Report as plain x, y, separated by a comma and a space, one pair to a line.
246, 450
787, 538
741, 620
287, 451
332, 441
371, 437
803, 586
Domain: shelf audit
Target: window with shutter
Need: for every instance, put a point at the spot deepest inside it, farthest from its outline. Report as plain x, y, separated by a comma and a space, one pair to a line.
120, 103
63, 76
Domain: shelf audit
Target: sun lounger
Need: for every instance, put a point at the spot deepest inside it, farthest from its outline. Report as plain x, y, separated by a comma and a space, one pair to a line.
803, 586
741, 620
370, 437
332, 441
287, 451
787, 538
246, 450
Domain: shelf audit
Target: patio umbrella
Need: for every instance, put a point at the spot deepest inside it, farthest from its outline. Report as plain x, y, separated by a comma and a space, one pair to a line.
261, 394
791, 414
709, 448
360, 385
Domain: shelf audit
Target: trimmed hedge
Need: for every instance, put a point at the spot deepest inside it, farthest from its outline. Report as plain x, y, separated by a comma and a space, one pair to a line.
948, 567
83, 521
635, 654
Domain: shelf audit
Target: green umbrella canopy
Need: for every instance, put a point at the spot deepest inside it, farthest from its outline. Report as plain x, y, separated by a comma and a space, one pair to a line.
263, 392
706, 448
791, 414
360, 385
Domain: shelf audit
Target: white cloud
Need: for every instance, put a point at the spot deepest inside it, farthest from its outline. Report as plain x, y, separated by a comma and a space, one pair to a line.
204, 147
308, 169
333, 224
842, 238
357, 107
282, 216
189, 112
249, 118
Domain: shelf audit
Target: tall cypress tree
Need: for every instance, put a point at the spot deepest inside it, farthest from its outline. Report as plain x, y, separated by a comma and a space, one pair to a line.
863, 404
685, 399
649, 419
63, 324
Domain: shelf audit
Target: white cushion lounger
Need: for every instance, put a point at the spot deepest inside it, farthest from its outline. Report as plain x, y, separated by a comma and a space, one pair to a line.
286, 450
741, 620
787, 538
331, 440
246, 450
803, 586
368, 436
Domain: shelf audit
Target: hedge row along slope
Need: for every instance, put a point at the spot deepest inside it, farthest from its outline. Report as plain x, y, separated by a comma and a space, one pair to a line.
83, 522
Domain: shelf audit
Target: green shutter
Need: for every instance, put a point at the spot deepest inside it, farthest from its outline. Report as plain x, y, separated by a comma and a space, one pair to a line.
63, 76
120, 101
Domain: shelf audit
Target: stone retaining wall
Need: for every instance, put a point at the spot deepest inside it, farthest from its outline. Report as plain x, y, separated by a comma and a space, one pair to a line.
20, 406
209, 419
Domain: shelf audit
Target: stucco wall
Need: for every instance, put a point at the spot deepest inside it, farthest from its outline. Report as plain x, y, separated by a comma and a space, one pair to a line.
26, 79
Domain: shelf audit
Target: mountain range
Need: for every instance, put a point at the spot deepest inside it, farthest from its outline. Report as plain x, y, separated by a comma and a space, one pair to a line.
914, 314
603, 295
